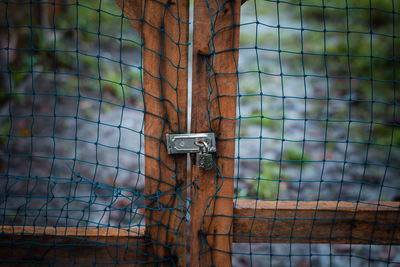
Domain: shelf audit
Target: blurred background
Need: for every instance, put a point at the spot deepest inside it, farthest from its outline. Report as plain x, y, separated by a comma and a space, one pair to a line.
71, 115
318, 100
318, 116
317, 119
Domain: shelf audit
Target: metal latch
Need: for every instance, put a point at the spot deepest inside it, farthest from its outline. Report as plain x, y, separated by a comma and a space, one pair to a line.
203, 144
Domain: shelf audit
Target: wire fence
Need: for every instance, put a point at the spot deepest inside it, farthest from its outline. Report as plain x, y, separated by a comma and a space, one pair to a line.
317, 119
72, 113
317, 99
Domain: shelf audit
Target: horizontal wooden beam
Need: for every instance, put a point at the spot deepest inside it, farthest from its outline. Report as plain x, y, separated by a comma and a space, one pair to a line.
110, 235
316, 222
254, 221
72, 245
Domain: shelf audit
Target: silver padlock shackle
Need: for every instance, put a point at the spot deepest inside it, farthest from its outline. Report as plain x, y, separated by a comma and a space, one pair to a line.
203, 145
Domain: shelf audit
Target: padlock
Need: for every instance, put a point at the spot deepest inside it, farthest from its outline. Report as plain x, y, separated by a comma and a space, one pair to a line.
204, 159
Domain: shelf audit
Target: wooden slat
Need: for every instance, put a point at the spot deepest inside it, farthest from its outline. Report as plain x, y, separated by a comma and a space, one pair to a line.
71, 245
254, 221
214, 94
112, 235
165, 62
316, 222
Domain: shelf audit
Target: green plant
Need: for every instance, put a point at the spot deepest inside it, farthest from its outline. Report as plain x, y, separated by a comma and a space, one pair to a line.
256, 118
4, 131
386, 135
266, 186
296, 155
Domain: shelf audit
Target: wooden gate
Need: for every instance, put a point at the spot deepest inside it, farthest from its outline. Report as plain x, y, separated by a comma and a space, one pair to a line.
217, 217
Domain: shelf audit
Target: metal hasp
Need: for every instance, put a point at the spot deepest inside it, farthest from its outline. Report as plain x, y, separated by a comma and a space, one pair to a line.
203, 144
188, 143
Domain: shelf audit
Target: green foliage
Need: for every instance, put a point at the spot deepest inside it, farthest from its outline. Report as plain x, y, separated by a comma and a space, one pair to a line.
352, 37
4, 130
266, 186
75, 27
296, 155
114, 82
359, 43
257, 119
386, 135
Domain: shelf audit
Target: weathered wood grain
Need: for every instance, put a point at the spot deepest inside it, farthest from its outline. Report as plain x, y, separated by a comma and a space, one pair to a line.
254, 221
164, 28
30, 245
316, 222
214, 91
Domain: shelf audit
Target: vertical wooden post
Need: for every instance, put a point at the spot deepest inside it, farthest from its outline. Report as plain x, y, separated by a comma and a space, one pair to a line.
215, 59
164, 26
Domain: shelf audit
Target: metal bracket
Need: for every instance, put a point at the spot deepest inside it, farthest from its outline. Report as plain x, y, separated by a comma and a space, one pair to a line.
186, 143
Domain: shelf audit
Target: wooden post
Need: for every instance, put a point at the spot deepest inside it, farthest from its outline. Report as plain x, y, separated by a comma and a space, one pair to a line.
164, 27
215, 61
